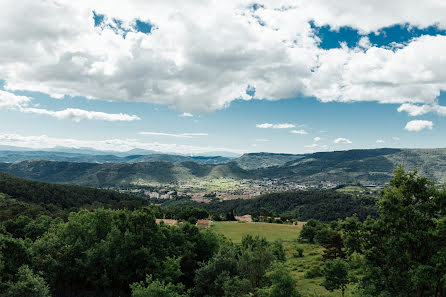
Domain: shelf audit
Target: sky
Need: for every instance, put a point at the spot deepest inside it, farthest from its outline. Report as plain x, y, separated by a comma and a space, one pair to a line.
223, 77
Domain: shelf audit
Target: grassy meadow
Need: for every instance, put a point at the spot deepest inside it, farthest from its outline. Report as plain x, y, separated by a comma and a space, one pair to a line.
300, 267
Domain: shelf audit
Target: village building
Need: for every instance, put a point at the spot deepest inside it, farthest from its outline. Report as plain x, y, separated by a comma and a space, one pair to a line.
204, 224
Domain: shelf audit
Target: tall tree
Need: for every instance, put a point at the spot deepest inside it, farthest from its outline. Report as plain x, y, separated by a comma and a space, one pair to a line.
336, 275
404, 250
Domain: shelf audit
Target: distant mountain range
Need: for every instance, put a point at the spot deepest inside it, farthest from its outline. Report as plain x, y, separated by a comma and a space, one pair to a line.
19, 156
374, 166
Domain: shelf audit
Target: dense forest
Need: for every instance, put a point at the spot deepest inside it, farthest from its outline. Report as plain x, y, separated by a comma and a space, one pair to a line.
326, 205
65, 196
123, 252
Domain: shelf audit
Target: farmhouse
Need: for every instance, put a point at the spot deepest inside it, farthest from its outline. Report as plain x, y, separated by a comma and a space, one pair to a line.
203, 224
245, 218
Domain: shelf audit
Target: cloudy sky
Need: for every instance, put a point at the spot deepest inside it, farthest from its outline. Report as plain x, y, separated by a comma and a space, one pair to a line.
228, 76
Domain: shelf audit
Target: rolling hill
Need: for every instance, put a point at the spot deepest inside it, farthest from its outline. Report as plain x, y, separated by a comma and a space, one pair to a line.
340, 167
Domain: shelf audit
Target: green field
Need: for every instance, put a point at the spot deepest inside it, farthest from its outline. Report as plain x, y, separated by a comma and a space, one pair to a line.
236, 230
308, 287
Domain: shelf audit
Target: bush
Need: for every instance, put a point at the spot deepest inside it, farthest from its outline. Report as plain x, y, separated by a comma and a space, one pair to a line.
299, 253
314, 272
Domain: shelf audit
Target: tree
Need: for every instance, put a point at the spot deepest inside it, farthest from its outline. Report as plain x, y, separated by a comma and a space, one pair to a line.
404, 249
210, 279
282, 282
156, 288
336, 275
255, 259
278, 251
334, 247
313, 231
28, 284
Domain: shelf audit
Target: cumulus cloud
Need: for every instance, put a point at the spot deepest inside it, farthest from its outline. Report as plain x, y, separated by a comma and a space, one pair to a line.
120, 145
417, 110
418, 125
395, 138
300, 132
11, 101
316, 139
380, 141
342, 140
181, 135
186, 114
202, 55
275, 126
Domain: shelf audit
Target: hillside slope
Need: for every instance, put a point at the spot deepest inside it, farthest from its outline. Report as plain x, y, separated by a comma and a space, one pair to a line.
341, 167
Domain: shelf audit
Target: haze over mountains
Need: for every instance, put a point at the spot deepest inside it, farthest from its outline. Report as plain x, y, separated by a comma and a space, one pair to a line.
373, 166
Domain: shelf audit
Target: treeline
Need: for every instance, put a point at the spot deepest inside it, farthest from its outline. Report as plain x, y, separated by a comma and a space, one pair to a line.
66, 196
111, 253
326, 205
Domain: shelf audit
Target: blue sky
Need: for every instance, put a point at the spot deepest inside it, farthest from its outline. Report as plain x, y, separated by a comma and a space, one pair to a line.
337, 87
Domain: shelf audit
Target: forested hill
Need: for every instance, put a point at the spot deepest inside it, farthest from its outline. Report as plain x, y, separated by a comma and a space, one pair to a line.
8, 156
326, 205
65, 196
121, 174
342, 167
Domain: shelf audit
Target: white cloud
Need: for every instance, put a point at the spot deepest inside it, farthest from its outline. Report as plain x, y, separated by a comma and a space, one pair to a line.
395, 138
10, 101
316, 139
342, 140
418, 125
186, 114
181, 135
417, 110
80, 114
275, 126
300, 132
320, 147
380, 141
185, 64
121, 145
364, 42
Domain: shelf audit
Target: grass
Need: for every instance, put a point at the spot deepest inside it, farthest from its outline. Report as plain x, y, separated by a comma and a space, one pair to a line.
235, 230
312, 253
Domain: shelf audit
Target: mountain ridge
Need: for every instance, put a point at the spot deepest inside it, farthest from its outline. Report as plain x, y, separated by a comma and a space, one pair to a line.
339, 167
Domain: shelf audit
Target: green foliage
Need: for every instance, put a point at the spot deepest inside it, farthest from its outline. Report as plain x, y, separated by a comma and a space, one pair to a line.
14, 253
278, 251
335, 275
323, 205
156, 288
334, 247
106, 250
352, 232
299, 253
65, 196
28, 284
313, 272
404, 249
315, 231
215, 277
236, 270
283, 284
